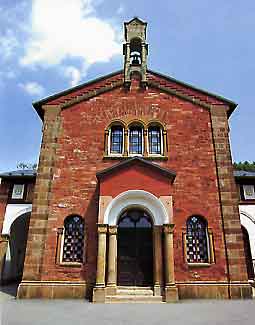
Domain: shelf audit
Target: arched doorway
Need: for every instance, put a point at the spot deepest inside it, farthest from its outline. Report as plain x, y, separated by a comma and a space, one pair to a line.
15, 255
135, 249
247, 253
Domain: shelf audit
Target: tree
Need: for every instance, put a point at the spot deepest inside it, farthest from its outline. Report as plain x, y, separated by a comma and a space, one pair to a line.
246, 165
24, 166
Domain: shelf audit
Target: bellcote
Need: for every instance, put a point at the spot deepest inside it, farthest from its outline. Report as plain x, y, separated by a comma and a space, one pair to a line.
135, 51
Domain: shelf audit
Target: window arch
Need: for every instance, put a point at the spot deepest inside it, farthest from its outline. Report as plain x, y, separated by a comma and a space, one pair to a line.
73, 240
135, 139
197, 240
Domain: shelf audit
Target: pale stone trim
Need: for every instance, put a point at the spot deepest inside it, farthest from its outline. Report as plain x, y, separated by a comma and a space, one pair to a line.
104, 201
167, 201
247, 221
12, 212
138, 199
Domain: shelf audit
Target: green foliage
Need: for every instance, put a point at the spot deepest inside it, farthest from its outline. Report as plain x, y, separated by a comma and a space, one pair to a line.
24, 166
246, 165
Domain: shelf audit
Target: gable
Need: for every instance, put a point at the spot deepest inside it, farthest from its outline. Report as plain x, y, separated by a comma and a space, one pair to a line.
156, 80
135, 173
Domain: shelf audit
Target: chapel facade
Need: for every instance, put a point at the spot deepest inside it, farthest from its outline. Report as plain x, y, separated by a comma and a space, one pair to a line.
135, 198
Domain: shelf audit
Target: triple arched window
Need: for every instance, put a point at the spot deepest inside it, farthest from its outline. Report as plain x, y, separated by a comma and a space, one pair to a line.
136, 139
72, 240
198, 241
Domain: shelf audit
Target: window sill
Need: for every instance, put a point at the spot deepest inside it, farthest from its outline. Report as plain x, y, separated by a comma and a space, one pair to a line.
109, 157
194, 265
71, 264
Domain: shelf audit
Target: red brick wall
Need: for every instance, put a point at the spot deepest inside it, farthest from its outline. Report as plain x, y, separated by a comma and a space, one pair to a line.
80, 155
136, 177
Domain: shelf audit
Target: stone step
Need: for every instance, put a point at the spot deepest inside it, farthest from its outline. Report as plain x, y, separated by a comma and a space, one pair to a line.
133, 299
135, 292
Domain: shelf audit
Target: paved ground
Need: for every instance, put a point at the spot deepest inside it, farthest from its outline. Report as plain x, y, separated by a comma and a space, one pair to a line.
76, 312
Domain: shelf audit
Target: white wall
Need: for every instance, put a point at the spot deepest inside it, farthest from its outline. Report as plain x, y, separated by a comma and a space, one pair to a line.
247, 217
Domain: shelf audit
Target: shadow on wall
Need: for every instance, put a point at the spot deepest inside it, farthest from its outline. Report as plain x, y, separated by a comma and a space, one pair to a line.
15, 255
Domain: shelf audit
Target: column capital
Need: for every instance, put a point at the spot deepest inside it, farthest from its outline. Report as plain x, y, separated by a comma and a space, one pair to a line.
169, 228
157, 227
4, 237
60, 231
112, 230
101, 228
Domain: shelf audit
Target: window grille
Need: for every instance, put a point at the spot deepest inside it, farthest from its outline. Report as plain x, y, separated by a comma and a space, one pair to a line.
197, 240
154, 140
135, 140
73, 239
116, 140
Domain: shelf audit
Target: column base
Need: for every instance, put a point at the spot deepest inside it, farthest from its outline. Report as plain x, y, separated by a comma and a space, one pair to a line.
240, 291
99, 294
157, 290
111, 290
171, 294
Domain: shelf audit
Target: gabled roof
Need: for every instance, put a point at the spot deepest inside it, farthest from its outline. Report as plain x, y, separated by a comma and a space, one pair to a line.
114, 80
136, 19
24, 173
243, 174
137, 160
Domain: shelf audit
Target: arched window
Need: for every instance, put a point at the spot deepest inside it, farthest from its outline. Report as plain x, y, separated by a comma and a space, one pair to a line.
155, 140
136, 140
73, 241
197, 240
116, 140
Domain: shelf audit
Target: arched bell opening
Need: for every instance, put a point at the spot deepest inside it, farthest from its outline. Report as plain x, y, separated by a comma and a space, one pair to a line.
135, 52
135, 248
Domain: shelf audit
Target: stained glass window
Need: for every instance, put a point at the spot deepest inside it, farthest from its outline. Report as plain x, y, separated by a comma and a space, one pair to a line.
197, 240
135, 140
73, 239
154, 140
116, 139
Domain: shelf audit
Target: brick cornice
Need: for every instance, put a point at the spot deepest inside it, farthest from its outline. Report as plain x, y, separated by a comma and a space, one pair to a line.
92, 93
179, 94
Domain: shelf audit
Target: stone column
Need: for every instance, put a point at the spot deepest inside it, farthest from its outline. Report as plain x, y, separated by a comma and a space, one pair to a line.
126, 135
112, 260
164, 143
171, 292
106, 137
157, 259
99, 290
101, 255
145, 149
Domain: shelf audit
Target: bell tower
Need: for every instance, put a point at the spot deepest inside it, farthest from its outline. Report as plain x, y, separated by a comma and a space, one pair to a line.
135, 50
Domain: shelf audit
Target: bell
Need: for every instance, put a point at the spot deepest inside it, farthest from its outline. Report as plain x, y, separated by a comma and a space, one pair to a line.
135, 59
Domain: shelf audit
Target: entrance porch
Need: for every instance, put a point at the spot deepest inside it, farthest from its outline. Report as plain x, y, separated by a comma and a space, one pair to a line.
135, 249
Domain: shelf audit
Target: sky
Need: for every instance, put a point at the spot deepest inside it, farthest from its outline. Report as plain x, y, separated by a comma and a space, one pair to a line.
47, 46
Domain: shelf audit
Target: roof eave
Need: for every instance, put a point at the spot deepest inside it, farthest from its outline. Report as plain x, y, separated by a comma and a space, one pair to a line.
232, 105
168, 173
38, 104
